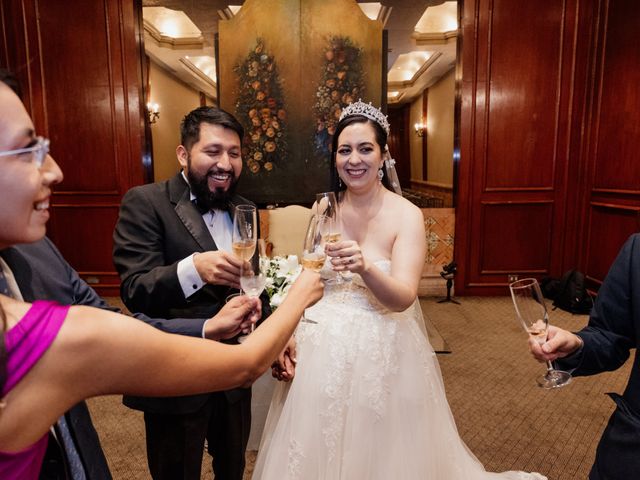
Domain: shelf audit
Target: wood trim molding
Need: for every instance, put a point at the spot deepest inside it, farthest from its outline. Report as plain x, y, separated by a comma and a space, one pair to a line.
409, 83
425, 150
439, 38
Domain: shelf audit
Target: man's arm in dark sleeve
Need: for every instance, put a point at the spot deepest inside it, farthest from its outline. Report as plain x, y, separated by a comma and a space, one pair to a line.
611, 332
148, 285
83, 294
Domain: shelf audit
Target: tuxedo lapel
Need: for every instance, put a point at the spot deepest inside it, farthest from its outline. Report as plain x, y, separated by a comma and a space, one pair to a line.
189, 215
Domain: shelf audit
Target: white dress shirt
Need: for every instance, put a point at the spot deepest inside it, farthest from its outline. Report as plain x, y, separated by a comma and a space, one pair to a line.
220, 226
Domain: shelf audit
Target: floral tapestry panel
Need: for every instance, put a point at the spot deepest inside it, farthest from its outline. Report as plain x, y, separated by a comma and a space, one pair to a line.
286, 69
261, 110
341, 84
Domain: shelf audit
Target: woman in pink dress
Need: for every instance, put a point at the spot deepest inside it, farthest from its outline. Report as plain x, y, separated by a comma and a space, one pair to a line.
52, 357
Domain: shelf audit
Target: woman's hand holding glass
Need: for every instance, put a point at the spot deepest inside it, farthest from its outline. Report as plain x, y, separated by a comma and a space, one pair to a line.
253, 278
346, 256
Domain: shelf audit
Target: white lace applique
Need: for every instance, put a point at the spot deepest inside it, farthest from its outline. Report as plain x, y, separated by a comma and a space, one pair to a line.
295, 459
336, 388
379, 349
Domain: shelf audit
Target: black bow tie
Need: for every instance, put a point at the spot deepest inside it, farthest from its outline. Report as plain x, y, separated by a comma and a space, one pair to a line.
204, 209
201, 208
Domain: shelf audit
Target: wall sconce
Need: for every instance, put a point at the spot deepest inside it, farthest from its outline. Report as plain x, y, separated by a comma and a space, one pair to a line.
420, 128
153, 112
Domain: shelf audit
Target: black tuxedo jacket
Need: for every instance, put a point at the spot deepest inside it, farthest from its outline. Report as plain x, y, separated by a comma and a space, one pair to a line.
158, 226
43, 274
613, 331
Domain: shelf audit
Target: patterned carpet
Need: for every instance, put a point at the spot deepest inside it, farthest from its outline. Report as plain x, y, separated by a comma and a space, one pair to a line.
505, 419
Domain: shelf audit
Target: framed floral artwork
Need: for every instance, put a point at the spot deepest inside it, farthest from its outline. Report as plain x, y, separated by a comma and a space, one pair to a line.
286, 68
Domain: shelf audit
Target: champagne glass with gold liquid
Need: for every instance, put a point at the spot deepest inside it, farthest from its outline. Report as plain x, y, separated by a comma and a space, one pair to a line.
313, 255
532, 313
245, 232
253, 277
327, 206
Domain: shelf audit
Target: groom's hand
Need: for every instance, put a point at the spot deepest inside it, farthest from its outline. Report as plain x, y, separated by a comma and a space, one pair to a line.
284, 368
218, 268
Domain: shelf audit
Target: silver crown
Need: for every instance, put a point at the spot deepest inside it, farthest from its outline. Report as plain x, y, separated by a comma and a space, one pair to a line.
366, 110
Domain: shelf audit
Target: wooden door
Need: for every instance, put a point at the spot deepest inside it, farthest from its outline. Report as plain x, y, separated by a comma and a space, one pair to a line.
79, 65
399, 143
517, 74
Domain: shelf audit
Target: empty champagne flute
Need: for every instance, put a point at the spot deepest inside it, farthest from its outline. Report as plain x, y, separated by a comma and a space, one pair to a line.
245, 232
532, 313
253, 277
313, 255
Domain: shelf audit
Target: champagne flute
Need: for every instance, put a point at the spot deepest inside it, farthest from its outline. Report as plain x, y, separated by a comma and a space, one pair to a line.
245, 232
253, 277
313, 255
532, 313
327, 206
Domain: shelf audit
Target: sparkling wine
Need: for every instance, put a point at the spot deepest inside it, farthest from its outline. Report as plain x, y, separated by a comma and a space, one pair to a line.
253, 285
313, 261
331, 237
244, 249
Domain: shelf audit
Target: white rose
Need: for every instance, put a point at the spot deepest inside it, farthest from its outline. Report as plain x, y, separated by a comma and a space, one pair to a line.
276, 300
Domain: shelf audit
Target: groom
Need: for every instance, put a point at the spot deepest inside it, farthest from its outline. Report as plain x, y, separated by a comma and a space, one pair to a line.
172, 249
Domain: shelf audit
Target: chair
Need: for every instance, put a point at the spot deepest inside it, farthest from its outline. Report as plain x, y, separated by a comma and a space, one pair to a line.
287, 228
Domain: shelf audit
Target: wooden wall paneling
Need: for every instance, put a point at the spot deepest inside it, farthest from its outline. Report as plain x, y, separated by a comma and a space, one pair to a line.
463, 167
425, 150
612, 138
515, 237
4, 46
399, 143
577, 167
609, 227
84, 93
617, 123
520, 90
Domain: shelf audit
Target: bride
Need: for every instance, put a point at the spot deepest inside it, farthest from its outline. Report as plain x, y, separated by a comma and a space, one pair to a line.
368, 401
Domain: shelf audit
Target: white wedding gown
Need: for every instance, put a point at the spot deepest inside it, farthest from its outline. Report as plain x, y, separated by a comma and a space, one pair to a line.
367, 401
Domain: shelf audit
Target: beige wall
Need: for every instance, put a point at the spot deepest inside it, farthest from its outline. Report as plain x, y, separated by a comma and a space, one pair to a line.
176, 100
415, 142
440, 113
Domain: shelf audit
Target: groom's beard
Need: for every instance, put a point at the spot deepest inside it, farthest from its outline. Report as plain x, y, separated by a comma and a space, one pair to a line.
210, 199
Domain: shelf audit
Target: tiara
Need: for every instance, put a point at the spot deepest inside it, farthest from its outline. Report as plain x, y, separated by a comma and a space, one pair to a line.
366, 110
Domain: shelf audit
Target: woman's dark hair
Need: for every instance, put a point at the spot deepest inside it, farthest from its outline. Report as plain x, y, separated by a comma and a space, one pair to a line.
10, 81
190, 126
381, 140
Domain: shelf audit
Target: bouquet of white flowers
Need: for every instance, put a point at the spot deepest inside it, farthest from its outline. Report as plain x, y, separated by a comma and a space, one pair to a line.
281, 273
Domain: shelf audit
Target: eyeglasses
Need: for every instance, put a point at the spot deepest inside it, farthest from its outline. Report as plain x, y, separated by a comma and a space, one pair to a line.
35, 154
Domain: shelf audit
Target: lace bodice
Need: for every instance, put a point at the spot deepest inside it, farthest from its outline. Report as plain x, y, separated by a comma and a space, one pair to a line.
351, 293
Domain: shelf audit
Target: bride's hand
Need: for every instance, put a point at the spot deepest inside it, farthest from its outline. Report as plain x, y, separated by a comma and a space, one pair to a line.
346, 256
